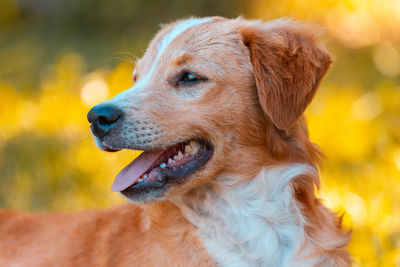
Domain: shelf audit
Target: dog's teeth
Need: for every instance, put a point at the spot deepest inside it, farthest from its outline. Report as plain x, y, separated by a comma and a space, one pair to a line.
195, 146
145, 176
140, 180
175, 157
188, 149
180, 155
169, 161
163, 165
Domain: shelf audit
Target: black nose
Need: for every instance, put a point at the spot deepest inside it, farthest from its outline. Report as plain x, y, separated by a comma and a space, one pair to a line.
103, 118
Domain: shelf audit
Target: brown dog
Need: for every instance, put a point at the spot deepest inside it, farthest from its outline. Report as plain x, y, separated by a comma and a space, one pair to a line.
228, 171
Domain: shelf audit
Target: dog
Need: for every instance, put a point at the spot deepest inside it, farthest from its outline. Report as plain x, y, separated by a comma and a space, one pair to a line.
228, 173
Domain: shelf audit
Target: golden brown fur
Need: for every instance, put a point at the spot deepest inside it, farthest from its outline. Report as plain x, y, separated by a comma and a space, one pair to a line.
250, 109
127, 235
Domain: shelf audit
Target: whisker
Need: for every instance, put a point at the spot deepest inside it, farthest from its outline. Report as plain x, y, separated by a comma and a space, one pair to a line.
128, 60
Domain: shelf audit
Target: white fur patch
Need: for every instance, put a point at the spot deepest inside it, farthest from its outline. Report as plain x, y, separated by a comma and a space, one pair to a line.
168, 38
162, 46
256, 223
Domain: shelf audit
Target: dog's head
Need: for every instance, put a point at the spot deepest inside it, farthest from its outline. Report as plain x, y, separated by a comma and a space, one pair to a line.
212, 96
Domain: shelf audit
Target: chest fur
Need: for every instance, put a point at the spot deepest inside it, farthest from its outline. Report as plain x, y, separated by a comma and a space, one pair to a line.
256, 223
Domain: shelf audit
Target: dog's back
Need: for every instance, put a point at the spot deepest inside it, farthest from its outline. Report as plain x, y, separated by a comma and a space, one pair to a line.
119, 236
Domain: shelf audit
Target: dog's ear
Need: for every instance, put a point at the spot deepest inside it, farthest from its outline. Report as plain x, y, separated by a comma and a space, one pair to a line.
288, 64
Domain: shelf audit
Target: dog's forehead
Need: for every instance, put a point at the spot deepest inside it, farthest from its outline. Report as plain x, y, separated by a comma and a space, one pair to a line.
184, 36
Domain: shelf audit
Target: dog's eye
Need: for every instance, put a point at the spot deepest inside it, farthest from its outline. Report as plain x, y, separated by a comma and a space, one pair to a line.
188, 78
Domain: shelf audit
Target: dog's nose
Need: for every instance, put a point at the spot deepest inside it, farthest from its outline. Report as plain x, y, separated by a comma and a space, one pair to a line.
103, 117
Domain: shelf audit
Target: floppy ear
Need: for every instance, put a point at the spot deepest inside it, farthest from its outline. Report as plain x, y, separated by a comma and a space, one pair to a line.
288, 64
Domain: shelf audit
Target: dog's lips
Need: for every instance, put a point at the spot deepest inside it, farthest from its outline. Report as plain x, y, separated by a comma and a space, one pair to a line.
154, 168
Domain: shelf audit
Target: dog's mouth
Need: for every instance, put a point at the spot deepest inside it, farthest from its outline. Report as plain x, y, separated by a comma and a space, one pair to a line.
154, 169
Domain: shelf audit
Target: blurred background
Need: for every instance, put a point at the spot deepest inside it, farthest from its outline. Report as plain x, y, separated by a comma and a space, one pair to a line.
61, 57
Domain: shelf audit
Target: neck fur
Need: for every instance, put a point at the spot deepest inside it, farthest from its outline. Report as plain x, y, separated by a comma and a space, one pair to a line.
253, 223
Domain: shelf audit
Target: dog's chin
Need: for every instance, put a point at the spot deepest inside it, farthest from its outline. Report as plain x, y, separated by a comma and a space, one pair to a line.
173, 167
103, 145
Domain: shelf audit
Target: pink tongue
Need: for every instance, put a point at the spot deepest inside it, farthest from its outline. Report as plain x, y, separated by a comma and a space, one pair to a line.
131, 173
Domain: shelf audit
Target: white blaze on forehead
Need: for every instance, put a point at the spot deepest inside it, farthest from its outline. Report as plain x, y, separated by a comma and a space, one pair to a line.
168, 38
162, 46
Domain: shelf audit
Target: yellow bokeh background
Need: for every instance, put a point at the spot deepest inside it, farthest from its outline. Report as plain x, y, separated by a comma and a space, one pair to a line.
48, 159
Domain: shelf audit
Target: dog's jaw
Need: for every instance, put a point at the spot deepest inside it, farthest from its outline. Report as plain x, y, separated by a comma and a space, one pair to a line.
153, 173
